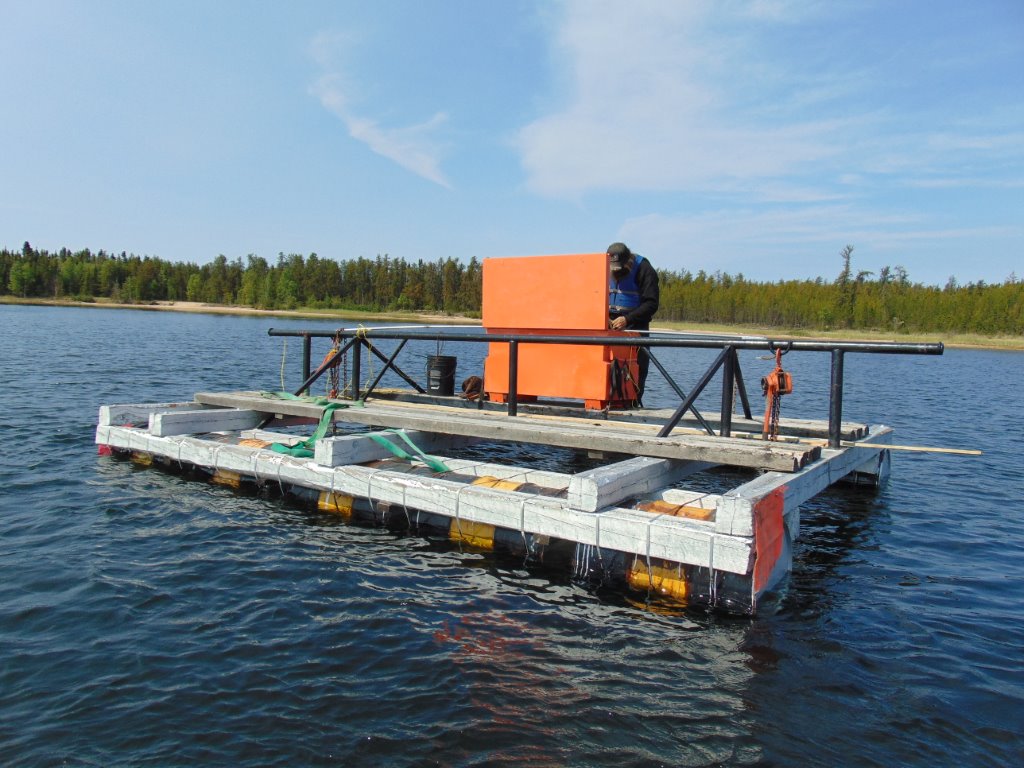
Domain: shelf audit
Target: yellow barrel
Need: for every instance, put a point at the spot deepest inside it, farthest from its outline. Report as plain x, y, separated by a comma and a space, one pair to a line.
663, 579
226, 477
337, 503
478, 535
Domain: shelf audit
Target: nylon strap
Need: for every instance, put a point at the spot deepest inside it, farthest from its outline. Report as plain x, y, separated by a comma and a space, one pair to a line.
435, 464
304, 450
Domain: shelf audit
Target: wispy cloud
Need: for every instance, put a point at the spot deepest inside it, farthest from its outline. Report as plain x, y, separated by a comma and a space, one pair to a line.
646, 109
700, 97
413, 147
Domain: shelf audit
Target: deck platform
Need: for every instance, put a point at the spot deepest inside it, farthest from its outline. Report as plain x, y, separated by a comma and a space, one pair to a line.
608, 435
631, 521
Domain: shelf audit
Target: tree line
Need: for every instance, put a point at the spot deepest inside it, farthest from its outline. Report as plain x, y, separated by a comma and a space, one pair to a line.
293, 281
864, 300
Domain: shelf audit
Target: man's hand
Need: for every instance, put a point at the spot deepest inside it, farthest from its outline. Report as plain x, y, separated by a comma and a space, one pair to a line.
619, 323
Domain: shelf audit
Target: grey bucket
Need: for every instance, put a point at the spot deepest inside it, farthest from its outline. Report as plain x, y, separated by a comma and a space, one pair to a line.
441, 375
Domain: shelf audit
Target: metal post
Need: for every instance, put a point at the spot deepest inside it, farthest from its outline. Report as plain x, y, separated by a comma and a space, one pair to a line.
513, 377
740, 386
307, 342
835, 403
356, 362
728, 384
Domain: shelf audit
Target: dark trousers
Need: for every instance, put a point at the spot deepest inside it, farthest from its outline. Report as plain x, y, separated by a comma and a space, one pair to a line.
643, 363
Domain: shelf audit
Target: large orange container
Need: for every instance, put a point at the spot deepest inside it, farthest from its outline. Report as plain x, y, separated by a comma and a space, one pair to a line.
554, 295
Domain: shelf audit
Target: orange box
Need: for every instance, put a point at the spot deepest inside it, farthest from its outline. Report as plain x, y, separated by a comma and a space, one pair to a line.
554, 295
546, 292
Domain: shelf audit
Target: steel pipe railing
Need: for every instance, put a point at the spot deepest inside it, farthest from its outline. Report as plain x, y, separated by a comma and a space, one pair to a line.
727, 360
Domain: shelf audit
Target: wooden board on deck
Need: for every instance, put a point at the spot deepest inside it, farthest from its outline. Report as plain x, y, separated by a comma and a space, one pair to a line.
633, 439
818, 428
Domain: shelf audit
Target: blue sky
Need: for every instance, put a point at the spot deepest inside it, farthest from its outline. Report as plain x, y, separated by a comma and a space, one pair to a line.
755, 137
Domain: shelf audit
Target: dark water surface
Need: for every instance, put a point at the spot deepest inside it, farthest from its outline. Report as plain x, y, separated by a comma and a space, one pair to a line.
147, 619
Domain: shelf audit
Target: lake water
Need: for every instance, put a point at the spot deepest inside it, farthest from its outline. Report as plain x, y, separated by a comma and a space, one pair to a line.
151, 620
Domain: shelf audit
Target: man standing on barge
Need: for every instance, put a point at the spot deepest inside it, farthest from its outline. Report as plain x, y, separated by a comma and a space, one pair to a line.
633, 297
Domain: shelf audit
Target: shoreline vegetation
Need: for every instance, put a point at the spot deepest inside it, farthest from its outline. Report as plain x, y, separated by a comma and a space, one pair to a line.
951, 340
857, 304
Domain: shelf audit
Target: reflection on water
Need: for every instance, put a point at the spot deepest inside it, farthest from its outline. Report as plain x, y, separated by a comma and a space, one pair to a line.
146, 618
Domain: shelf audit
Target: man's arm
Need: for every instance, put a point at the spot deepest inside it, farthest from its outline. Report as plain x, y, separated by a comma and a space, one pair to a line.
647, 282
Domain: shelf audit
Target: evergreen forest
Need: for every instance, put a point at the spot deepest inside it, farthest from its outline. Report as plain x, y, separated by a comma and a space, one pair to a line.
886, 301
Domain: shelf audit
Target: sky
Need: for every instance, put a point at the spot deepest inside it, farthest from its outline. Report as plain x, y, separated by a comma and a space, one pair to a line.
755, 138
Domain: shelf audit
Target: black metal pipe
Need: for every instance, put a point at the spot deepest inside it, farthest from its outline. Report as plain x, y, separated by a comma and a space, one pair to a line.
619, 340
357, 361
388, 363
325, 365
679, 391
307, 342
513, 378
671, 423
741, 386
728, 384
835, 401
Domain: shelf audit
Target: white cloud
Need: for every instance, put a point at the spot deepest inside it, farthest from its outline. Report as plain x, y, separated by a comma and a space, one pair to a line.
647, 111
412, 147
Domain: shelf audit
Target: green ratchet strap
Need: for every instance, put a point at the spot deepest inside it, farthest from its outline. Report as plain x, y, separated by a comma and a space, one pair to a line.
435, 464
304, 450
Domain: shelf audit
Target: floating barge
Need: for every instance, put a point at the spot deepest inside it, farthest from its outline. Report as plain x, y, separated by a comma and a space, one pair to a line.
410, 458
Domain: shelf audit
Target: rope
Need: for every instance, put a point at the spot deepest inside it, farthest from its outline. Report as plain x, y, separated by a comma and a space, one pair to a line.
333, 374
284, 354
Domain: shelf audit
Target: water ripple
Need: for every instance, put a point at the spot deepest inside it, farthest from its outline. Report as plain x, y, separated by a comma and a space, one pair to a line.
148, 619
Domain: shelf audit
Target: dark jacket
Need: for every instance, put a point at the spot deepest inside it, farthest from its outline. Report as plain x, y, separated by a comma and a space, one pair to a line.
643, 279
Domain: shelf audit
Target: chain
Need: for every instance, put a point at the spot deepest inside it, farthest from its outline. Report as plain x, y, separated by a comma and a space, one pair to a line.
773, 433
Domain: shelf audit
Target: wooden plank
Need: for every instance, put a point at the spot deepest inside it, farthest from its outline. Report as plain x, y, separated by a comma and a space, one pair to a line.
571, 434
357, 449
567, 433
557, 481
626, 530
137, 414
270, 436
809, 428
610, 485
190, 422
736, 508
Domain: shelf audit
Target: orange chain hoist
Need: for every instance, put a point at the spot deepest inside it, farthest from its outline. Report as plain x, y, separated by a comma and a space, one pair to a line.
774, 386
333, 377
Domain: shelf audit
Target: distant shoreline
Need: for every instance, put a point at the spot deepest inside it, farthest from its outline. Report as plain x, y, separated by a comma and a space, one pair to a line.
431, 318
972, 341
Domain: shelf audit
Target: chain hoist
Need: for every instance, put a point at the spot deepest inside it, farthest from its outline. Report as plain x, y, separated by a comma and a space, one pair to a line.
333, 372
773, 387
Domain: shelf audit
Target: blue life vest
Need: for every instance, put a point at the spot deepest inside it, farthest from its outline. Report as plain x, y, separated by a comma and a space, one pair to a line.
624, 294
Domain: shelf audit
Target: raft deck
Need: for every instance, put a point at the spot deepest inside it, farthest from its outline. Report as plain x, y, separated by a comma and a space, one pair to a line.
629, 521
411, 459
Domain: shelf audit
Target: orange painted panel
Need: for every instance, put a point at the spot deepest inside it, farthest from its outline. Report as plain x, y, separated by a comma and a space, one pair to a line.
552, 295
572, 371
550, 370
546, 292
